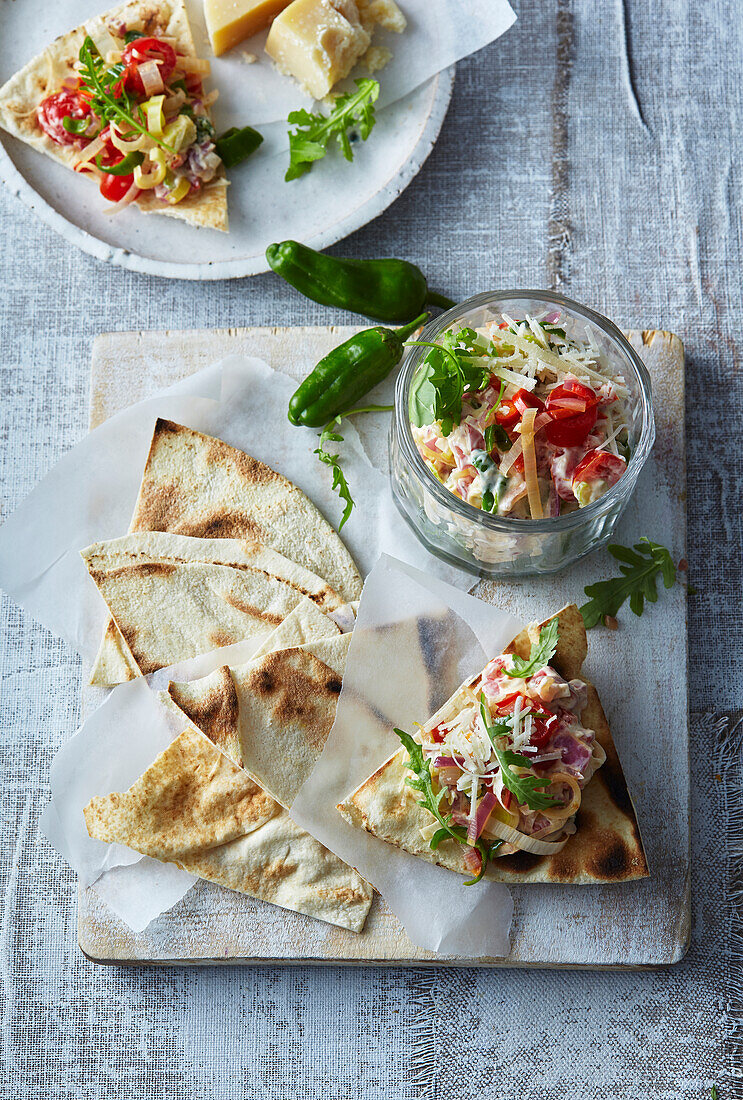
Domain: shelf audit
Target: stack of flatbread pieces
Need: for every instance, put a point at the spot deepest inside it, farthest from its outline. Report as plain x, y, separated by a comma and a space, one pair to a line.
222, 549
197, 807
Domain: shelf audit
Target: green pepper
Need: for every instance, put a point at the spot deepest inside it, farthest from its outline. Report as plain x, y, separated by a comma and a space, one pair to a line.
385, 290
125, 167
348, 372
235, 146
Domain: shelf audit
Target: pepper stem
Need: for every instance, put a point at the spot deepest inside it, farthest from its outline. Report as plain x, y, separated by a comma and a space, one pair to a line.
434, 299
405, 331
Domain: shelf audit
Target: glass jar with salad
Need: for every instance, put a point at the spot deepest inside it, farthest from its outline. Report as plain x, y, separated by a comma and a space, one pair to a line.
522, 421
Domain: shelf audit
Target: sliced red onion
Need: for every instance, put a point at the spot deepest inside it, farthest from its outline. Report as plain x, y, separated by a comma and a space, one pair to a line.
472, 859
476, 825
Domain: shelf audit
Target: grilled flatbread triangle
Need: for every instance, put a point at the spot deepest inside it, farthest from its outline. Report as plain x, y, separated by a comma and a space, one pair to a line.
43, 75
194, 484
194, 807
607, 846
173, 597
271, 715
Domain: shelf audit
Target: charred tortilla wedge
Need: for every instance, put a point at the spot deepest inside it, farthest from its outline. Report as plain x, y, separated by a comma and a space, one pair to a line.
607, 846
199, 486
195, 808
173, 597
44, 75
273, 714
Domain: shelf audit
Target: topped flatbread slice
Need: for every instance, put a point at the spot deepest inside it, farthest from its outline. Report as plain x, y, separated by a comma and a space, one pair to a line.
196, 485
550, 803
179, 170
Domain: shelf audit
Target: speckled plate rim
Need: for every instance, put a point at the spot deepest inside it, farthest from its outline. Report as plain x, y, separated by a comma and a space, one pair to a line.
441, 91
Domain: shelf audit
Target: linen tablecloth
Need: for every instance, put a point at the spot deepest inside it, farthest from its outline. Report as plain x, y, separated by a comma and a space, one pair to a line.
595, 149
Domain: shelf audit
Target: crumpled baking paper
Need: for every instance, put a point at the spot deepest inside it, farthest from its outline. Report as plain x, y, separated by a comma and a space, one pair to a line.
415, 640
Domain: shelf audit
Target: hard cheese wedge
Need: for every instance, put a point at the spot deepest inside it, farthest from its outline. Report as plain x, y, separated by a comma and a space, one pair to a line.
230, 21
317, 42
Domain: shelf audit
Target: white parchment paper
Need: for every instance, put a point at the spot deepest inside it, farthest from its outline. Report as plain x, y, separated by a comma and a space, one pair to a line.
439, 33
90, 494
415, 640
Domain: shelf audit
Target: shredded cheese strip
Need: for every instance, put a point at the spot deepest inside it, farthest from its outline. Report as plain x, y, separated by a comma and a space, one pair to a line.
530, 464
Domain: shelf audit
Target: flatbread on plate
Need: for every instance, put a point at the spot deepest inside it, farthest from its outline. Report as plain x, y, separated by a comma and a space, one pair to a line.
173, 597
195, 808
43, 75
194, 484
607, 846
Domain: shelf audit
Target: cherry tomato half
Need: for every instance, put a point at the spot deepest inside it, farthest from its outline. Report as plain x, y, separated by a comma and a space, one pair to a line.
600, 466
114, 188
511, 409
569, 426
52, 111
147, 49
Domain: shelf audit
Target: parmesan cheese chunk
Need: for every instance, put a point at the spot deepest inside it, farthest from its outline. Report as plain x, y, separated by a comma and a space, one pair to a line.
317, 42
230, 21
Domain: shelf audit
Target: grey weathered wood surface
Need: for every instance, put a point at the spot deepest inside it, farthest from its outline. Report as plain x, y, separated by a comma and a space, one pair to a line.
553, 926
596, 149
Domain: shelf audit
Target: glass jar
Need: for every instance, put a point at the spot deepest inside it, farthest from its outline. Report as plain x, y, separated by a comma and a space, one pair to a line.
497, 546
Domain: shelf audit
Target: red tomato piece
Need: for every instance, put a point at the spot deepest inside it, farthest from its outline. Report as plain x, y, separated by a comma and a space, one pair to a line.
570, 425
543, 727
147, 49
524, 399
52, 111
505, 798
194, 87
511, 409
114, 188
600, 466
437, 735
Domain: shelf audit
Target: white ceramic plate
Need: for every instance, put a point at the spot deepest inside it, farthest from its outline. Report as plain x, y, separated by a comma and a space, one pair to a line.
333, 200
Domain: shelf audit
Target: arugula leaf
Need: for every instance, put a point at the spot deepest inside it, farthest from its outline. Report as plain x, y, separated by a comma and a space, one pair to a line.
542, 652
109, 99
437, 389
523, 786
442, 379
309, 140
431, 801
333, 459
640, 567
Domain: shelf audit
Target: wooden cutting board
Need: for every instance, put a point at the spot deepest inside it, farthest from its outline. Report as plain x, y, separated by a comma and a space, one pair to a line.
640, 671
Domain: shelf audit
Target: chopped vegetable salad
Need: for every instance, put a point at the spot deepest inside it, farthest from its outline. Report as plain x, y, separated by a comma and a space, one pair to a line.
518, 419
508, 766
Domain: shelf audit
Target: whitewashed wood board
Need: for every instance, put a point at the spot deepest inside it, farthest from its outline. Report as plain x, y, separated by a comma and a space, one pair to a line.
640, 671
